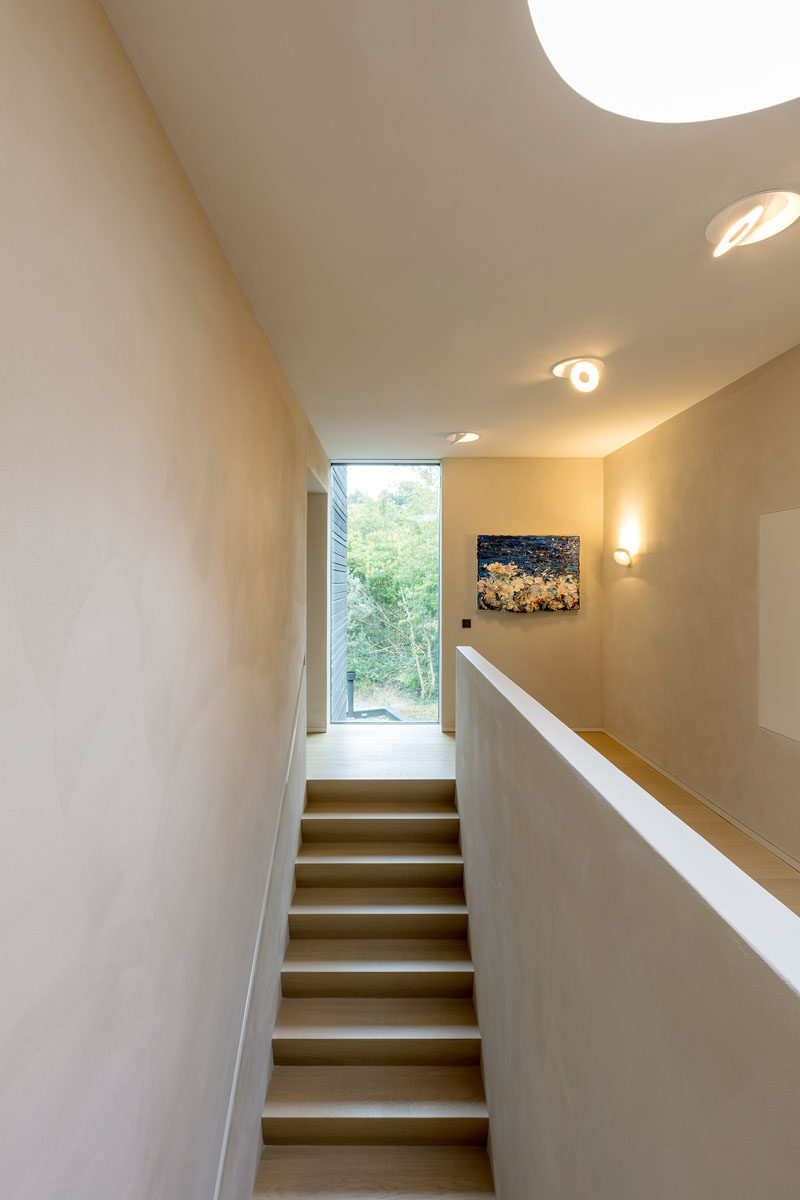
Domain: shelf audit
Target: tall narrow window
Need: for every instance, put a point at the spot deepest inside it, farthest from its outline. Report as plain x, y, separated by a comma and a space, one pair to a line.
385, 592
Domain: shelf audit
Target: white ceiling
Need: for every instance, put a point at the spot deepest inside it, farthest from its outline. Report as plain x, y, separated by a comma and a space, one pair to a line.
425, 218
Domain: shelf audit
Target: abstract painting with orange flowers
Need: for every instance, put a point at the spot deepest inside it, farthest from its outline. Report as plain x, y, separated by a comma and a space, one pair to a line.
529, 572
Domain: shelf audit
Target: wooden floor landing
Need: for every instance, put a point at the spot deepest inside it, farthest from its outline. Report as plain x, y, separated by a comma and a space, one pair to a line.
381, 751
774, 875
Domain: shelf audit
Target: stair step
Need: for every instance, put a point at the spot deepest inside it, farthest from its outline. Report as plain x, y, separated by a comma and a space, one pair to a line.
378, 912
377, 967
374, 1173
354, 825
359, 1106
419, 793
359, 1031
354, 864
447, 851
378, 804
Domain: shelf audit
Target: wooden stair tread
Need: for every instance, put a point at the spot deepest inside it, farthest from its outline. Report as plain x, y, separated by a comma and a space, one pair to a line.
383, 864
369, 966
376, 804
369, 1105
374, 1173
382, 1091
344, 953
357, 791
376, 1017
400, 921
380, 852
366, 825
364, 1031
345, 812
378, 899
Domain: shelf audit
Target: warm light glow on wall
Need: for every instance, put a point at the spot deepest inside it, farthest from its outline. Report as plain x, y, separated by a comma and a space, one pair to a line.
630, 536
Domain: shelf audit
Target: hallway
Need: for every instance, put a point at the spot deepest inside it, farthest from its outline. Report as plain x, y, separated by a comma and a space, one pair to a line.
255, 256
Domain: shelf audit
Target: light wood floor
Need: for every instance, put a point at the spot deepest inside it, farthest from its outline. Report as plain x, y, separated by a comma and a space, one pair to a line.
382, 751
755, 860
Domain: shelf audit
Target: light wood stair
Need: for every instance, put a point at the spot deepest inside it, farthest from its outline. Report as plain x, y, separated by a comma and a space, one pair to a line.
375, 1173
379, 864
377, 1089
364, 1030
377, 967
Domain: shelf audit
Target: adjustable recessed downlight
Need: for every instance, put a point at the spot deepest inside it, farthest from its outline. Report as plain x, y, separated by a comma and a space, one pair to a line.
457, 438
583, 373
738, 231
752, 219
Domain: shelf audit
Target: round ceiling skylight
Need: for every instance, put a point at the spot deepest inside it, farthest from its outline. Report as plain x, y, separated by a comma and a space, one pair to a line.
689, 60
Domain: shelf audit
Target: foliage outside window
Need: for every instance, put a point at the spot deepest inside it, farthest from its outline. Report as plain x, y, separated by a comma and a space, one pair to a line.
393, 593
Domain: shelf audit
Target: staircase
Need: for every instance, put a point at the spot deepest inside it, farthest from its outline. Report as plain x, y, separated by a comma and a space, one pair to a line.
377, 1088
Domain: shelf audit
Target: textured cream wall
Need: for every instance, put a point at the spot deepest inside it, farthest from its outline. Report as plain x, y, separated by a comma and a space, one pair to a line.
554, 656
681, 626
638, 995
152, 558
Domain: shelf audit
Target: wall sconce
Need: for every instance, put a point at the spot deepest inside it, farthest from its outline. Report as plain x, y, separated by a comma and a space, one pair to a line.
630, 541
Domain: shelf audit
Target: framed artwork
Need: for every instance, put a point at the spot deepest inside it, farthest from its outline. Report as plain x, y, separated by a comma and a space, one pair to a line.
529, 572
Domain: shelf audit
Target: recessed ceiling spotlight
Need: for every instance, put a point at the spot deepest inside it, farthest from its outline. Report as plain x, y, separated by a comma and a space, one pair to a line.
752, 219
583, 373
462, 437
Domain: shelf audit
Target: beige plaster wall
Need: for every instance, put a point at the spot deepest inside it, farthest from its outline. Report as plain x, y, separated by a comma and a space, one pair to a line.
554, 656
637, 993
681, 626
152, 559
